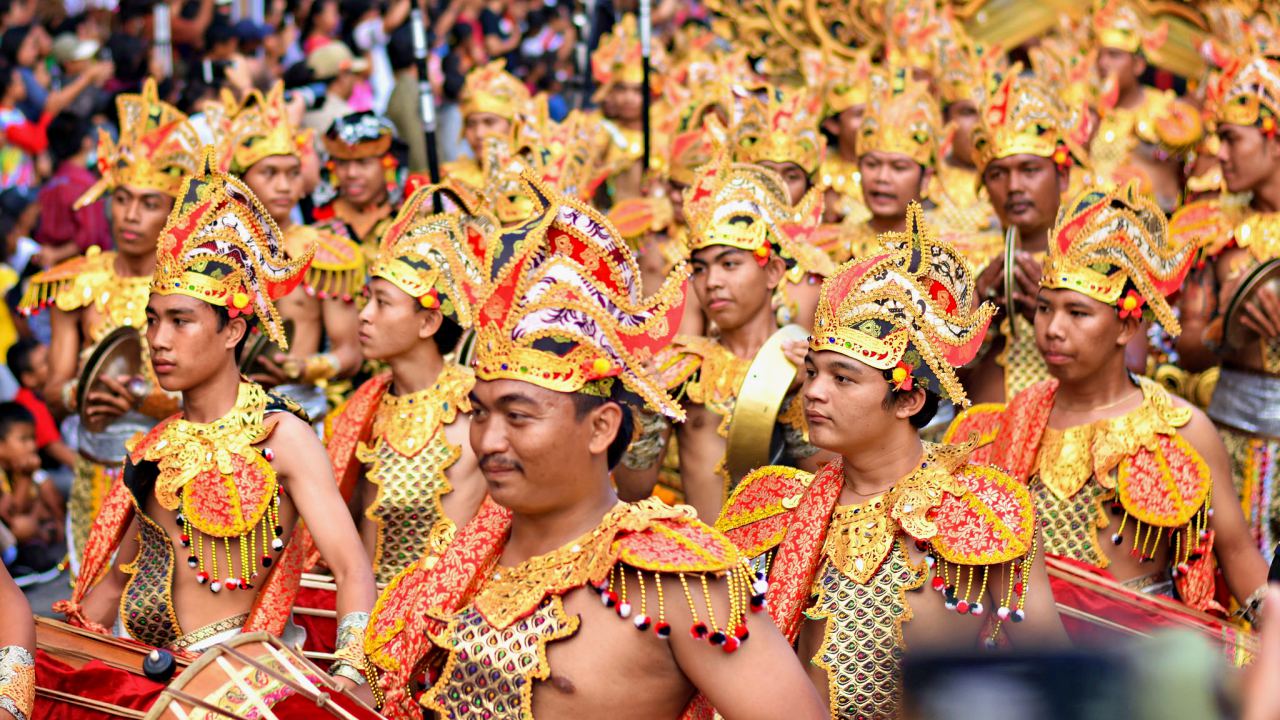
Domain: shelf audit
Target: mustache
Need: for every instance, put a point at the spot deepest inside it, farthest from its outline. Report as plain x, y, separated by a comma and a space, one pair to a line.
498, 463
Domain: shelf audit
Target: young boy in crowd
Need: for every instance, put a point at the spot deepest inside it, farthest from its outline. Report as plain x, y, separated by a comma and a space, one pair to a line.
28, 360
30, 507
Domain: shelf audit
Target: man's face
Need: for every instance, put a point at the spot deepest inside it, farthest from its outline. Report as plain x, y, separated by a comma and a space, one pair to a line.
479, 125
844, 402
890, 181
1247, 157
675, 191
1025, 191
275, 180
187, 348
534, 450
1124, 66
731, 285
1077, 335
794, 176
963, 116
362, 182
38, 375
624, 102
18, 447
137, 217
393, 322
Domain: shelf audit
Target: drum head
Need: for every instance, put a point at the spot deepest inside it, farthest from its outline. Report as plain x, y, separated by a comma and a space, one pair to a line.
119, 354
1267, 275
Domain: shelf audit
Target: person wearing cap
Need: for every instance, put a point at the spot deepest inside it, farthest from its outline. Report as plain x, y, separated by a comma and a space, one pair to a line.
339, 69
362, 163
848, 549
1132, 483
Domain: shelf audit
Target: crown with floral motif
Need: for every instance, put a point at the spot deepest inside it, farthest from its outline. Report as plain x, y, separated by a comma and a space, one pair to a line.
1023, 116
221, 246
158, 147
782, 126
434, 256
1113, 245
258, 128
490, 88
561, 307
902, 118
908, 311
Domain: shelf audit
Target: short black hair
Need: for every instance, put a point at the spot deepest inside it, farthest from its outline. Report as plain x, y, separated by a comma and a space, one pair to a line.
13, 414
218, 32
584, 403
448, 334
926, 412
18, 357
66, 134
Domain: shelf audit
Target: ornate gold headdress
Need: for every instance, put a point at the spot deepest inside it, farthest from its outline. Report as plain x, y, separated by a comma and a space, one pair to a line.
909, 311
258, 128
221, 246
491, 89
1248, 93
782, 126
964, 66
844, 82
434, 256
1117, 25
1114, 246
359, 135
561, 308
902, 117
158, 147
747, 207
619, 59
1024, 117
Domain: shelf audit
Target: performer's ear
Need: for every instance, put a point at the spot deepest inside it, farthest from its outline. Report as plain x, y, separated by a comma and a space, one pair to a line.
429, 321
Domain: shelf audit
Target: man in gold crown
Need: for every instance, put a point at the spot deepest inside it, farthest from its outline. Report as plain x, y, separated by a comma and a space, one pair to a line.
965, 213
94, 295
555, 578
617, 68
362, 160
235, 488
1123, 473
494, 103
400, 442
846, 85
844, 548
1025, 146
262, 147
743, 236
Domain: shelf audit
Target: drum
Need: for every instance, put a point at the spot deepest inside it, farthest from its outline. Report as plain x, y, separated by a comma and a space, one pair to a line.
1266, 275
258, 677
118, 354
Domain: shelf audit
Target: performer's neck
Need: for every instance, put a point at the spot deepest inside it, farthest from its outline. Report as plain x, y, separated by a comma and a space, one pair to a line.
284, 223
1266, 195
848, 152
1104, 389
538, 534
745, 341
1132, 98
143, 265
892, 456
888, 223
1034, 241
417, 369
213, 398
362, 208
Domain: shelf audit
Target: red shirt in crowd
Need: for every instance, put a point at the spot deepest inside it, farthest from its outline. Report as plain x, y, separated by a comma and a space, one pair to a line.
59, 222
46, 428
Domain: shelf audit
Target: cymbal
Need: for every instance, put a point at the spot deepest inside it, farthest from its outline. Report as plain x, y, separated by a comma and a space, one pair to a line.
1266, 275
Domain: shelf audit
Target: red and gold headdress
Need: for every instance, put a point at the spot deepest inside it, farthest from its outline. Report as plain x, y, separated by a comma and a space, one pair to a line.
619, 59
782, 126
747, 207
562, 308
844, 82
1118, 25
1023, 116
1114, 246
221, 246
964, 66
903, 118
1248, 93
491, 89
258, 128
158, 147
434, 257
908, 311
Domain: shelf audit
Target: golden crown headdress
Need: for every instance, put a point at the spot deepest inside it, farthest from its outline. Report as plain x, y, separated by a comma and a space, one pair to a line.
434, 256
1248, 93
964, 66
490, 88
844, 82
257, 128
908, 311
1023, 116
901, 117
1117, 24
619, 58
561, 308
780, 126
221, 246
158, 147
1114, 246
914, 28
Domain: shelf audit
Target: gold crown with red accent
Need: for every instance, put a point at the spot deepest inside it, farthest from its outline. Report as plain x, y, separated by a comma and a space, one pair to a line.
158, 147
491, 89
902, 118
964, 66
221, 246
782, 126
1248, 93
258, 128
914, 29
561, 307
619, 59
747, 207
1113, 245
1023, 116
1117, 24
844, 82
908, 311
434, 256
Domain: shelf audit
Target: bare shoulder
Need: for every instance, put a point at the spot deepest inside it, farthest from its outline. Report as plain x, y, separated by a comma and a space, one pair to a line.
1199, 430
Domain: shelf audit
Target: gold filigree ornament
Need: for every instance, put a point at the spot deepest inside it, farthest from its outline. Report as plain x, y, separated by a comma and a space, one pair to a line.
903, 118
1113, 245
257, 128
157, 148
782, 126
908, 311
1024, 116
491, 89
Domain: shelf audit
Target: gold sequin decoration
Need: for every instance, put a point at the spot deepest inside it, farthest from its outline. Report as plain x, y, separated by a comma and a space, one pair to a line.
1070, 525
1021, 360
